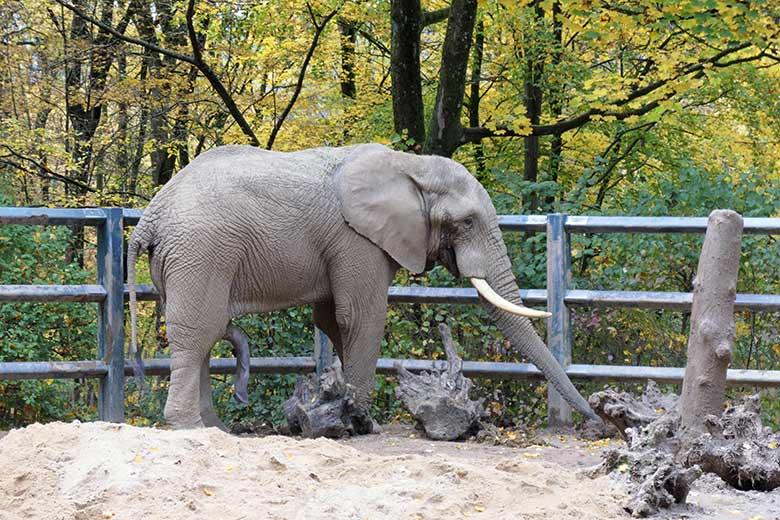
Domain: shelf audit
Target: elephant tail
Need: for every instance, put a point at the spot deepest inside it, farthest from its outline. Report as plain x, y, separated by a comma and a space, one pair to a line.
138, 243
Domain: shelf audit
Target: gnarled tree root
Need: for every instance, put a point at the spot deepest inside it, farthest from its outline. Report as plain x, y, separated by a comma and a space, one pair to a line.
662, 460
324, 406
737, 448
439, 400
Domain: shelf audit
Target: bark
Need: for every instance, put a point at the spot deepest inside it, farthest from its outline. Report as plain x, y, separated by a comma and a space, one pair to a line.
408, 110
439, 400
446, 129
711, 340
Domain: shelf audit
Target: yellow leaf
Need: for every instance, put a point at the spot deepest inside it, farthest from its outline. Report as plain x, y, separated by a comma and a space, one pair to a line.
207, 492
479, 509
137, 459
622, 468
530, 455
773, 445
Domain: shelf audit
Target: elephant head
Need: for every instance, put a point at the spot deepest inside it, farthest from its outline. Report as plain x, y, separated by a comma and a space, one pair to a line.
423, 210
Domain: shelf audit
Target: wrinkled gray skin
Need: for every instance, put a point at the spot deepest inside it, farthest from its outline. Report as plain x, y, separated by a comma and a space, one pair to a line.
242, 230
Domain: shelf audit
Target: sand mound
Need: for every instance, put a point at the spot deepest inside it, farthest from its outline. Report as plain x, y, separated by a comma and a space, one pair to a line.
101, 470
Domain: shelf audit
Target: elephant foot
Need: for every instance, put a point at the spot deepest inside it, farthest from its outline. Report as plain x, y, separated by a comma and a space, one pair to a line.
186, 425
183, 421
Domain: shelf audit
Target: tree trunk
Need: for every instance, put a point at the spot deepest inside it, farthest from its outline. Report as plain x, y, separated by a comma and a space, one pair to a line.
712, 334
446, 130
556, 102
348, 31
473, 100
408, 111
533, 110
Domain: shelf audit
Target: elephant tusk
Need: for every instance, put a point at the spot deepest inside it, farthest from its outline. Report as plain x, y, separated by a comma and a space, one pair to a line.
493, 297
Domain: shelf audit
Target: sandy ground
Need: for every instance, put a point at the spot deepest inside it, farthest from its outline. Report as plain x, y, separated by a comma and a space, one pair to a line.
100, 470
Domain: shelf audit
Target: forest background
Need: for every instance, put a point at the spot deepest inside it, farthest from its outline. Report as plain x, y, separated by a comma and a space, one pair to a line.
618, 107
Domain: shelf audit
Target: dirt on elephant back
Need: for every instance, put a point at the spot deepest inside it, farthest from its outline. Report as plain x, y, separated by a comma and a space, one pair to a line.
101, 470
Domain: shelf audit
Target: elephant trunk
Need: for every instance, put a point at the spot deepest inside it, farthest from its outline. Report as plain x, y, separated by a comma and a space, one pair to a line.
520, 332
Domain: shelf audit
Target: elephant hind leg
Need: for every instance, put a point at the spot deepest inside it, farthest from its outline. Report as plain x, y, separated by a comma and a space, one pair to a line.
190, 350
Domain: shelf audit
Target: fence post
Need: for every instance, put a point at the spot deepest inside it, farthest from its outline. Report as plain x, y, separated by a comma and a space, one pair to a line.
111, 336
323, 350
559, 327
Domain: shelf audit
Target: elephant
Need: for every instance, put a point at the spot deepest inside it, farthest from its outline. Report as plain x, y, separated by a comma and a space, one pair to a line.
242, 230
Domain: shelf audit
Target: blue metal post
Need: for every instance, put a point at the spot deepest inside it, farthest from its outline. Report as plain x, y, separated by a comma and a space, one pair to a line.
111, 336
559, 327
323, 350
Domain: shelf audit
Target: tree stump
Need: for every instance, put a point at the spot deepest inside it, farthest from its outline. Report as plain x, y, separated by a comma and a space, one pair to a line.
711, 340
324, 406
661, 460
439, 400
649, 424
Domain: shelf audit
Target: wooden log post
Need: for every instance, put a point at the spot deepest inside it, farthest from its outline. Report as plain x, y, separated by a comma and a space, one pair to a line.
713, 330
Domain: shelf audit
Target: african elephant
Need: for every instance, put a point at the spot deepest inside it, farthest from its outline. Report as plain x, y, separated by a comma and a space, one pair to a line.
242, 230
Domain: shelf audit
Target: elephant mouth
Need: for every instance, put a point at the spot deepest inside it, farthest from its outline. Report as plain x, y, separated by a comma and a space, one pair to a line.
448, 260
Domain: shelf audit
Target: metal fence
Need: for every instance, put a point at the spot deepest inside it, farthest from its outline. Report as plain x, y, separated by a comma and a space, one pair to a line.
110, 292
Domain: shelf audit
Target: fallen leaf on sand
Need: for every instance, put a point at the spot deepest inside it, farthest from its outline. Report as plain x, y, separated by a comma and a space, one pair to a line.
530, 455
207, 492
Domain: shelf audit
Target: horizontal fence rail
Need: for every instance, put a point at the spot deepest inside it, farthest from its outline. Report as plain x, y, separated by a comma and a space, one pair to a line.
678, 301
306, 364
110, 293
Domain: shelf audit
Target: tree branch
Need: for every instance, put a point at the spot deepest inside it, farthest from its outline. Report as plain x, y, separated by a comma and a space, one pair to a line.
431, 17
129, 39
196, 60
318, 28
476, 134
213, 80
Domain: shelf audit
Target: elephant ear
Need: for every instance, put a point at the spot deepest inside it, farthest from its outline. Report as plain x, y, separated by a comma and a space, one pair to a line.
381, 200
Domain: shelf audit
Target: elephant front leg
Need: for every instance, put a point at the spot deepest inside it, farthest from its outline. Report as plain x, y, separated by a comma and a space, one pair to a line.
361, 333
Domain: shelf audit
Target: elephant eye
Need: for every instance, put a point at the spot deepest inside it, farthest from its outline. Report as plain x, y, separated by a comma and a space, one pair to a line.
468, 222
